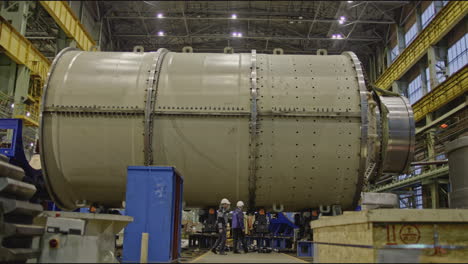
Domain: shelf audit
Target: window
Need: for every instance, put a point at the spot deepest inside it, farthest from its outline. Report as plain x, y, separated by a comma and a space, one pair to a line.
394, 53
440, 157
428, 15
411, 34
415, 91
440, 70
418, 193
428, 80
412, 199
457, 55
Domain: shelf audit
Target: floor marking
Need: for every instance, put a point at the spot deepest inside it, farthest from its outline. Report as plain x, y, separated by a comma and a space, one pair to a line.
199, 257
295, 258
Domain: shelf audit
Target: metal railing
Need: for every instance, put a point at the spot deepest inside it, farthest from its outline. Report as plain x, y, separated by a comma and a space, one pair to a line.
29, 113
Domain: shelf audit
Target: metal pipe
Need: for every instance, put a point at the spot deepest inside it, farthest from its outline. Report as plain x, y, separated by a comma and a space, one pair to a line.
247, 37
435, 162
255, 19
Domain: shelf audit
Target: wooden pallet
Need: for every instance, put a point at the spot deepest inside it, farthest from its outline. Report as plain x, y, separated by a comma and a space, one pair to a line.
392, 235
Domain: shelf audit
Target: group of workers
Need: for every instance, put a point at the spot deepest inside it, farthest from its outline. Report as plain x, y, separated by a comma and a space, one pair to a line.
237, 227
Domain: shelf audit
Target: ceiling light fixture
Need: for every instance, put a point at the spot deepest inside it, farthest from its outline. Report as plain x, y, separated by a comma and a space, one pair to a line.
342, 19
160, 15
234, 16
161, 33
337, 36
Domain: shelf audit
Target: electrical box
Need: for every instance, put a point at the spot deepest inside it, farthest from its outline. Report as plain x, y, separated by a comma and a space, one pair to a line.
154, 200
79, 237
65, 226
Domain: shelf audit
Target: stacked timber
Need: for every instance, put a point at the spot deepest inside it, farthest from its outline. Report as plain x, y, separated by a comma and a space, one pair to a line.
16, 215
392, 235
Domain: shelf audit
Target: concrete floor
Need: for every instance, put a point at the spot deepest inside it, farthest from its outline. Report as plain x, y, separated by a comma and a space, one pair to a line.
253, 257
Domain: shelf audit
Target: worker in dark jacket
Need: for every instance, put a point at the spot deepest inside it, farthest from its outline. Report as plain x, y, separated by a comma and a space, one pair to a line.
238, 228
221, 222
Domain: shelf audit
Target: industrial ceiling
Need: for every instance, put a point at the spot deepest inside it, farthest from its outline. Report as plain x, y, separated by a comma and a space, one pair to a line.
298, 27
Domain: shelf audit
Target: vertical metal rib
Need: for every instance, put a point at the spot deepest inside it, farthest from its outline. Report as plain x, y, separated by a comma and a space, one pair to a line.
150, 102
364, 125
253, 130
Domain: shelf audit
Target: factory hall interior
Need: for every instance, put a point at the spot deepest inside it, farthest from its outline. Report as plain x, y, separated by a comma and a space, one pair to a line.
233, 131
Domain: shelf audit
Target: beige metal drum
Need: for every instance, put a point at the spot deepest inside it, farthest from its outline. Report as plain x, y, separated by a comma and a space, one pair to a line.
289, 130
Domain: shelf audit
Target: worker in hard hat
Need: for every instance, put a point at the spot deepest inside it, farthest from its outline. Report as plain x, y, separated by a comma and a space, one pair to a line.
221, 222
238, 228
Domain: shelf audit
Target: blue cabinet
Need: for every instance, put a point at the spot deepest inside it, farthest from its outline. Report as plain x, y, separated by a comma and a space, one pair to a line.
154, 200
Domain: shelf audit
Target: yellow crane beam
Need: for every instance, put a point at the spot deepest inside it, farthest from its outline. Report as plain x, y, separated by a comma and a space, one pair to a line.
69, 23
22, 51
454, 86
442, 23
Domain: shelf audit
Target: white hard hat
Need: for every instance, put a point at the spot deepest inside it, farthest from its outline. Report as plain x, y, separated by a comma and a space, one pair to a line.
240, 204
225, 201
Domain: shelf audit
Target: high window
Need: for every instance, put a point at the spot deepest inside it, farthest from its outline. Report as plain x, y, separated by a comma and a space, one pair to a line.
411, 34
415, 91
394, 53
457, 55
428, 15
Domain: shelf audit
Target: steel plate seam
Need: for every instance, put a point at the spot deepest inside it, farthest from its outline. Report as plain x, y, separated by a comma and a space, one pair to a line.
253, 130
150, 102
364, 125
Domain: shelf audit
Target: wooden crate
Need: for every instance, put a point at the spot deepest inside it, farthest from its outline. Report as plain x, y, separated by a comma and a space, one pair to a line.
392, 235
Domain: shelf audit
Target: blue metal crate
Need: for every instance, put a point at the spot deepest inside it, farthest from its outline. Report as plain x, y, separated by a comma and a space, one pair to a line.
154, 200
305, 249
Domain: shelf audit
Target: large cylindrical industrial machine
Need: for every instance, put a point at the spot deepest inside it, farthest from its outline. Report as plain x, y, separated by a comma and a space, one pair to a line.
293, 130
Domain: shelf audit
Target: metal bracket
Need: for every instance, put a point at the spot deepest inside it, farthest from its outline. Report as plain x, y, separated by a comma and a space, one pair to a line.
278, 51
151, 92
229, 50
138, 49
187, 49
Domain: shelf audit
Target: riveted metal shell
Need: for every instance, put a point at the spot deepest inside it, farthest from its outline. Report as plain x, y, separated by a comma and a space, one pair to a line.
269, 129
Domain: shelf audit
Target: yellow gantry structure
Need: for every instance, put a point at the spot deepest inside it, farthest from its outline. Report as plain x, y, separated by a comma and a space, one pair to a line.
442, 23
23, 52
448, 90
69, 23
455, 85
